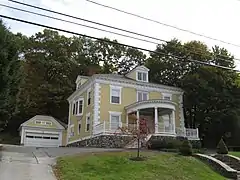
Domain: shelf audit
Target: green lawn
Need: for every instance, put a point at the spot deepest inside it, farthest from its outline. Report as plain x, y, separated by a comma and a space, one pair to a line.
117, 166
235, 153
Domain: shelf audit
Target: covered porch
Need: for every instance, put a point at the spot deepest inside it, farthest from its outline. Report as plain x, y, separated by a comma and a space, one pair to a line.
159, 115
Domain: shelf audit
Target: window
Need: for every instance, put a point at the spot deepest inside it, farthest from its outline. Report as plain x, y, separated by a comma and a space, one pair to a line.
89, 97
43, 123
78, 107
115, 95
37, 122
115, 120
79, 127
48, 123
142, 96
88, 122
167, 97
142, 76
74, 108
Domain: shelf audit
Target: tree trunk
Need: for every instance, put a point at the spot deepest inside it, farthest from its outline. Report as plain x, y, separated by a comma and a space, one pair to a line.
138, 150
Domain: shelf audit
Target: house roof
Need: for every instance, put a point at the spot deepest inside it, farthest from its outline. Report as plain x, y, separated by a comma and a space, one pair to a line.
129, 80
60, 124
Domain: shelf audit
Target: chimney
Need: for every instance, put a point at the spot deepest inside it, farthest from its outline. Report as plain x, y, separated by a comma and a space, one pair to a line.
94, 69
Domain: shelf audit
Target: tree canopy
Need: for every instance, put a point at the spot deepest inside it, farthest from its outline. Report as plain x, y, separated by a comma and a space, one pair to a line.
38, 73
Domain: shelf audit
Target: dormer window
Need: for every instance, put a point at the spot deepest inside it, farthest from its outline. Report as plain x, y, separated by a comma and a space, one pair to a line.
142, 76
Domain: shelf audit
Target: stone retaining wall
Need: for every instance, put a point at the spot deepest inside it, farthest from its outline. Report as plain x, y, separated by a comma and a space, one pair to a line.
104, 141
218, 166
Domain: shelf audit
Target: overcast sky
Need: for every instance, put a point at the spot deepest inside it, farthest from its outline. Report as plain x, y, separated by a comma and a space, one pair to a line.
215, 18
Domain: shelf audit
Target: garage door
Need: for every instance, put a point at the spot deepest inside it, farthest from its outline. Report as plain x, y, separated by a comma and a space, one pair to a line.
42, 139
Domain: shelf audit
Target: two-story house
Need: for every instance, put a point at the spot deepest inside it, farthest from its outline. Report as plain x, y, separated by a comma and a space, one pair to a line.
104, 102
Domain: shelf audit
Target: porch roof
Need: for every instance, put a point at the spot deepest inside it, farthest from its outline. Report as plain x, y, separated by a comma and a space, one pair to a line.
158, 103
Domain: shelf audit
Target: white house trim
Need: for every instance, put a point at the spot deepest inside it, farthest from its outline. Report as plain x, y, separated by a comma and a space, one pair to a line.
138, 85
96, 103
150, 104
42, 118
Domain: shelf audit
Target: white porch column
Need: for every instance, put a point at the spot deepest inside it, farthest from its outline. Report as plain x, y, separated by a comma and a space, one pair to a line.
156, 119
126, 119
138, 116
173, 121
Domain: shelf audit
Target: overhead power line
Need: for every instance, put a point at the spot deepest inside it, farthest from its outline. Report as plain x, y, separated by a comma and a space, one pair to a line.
164, 24
114, 42
51, 17
108, 26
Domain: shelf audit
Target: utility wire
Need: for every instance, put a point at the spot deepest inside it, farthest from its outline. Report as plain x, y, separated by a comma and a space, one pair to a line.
158, 22
51, 17
115, 43
112, 27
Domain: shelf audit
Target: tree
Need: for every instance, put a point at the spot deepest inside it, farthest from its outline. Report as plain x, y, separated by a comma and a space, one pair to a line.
211, 98
10, 73
221, 147
138, 130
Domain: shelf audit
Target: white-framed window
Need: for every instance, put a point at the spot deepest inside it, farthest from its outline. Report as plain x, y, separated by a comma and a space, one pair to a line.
89, 97
78, 107
167, 96
88, 122
142, 76
142, 96
115, 95
43, 122
115, 120
79, 126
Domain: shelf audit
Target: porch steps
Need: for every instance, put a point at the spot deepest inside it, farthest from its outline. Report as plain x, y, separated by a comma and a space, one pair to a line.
134, 143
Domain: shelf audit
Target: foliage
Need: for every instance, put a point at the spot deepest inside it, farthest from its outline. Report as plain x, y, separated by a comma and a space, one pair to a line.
164, 144
115, 165
221, 147
38, 73
212, 95
186, 148
139, 131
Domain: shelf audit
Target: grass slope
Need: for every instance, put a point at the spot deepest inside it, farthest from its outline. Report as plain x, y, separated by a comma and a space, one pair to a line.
116, 165
235, 153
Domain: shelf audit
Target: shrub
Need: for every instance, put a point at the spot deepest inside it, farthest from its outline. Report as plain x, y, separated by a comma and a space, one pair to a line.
222, 148
186, 148
159, 144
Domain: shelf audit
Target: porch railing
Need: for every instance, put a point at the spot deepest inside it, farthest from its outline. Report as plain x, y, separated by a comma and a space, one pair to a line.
112, 128
188, 132
166, 129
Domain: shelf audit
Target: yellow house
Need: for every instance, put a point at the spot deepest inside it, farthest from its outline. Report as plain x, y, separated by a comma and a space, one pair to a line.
104, 102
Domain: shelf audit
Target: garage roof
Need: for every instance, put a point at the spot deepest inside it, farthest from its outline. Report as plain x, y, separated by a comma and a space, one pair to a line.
59, 124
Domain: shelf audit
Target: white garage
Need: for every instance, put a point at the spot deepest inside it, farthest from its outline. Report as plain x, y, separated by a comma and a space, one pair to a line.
43, 131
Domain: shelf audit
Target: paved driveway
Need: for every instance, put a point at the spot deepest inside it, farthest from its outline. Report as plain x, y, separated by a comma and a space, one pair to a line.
29, 163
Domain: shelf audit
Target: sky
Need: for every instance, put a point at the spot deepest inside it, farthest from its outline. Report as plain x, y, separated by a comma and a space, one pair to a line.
214, 18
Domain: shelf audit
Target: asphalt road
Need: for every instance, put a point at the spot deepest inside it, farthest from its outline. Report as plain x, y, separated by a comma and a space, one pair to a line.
30, 163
